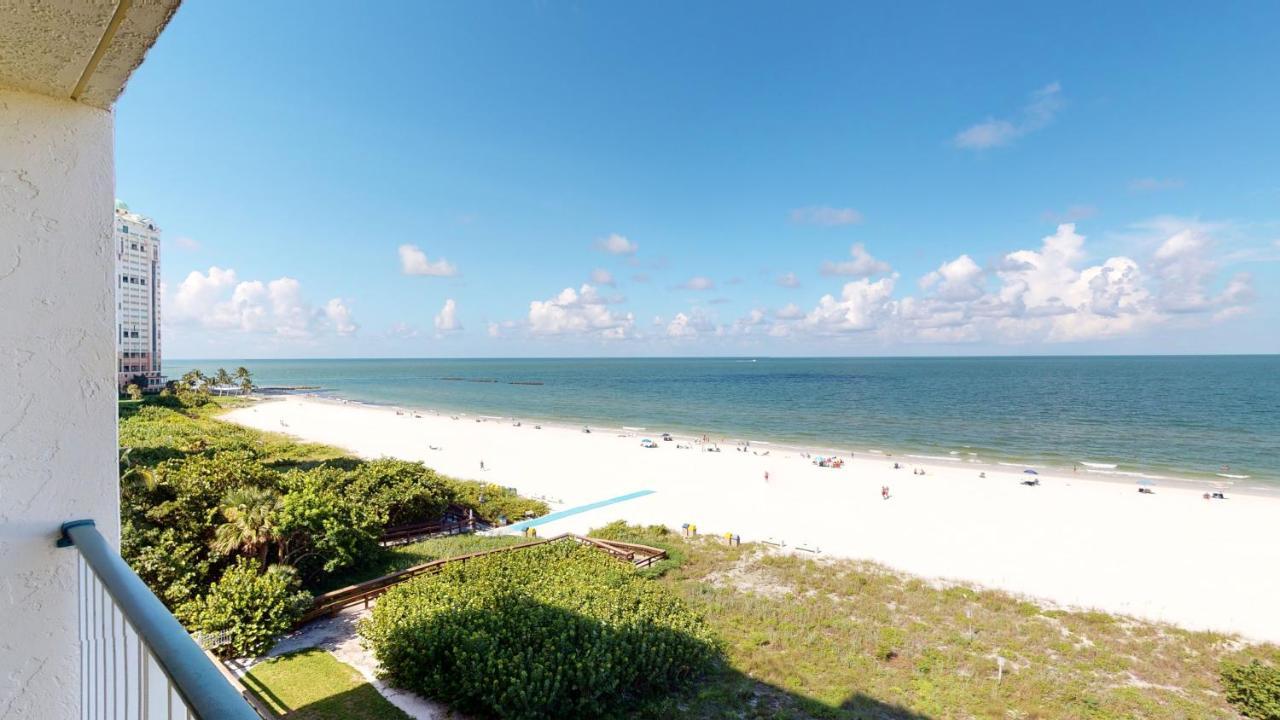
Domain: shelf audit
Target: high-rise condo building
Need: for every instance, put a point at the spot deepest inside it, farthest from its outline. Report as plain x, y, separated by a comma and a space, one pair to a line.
137, 241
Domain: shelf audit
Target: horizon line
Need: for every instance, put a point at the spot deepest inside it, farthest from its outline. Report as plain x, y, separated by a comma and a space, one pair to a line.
737, 357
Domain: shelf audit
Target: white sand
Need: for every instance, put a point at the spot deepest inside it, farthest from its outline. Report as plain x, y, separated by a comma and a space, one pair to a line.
1074, 541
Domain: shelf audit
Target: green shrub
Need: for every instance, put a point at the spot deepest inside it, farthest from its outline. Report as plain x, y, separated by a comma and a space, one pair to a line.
175, 566
652, 535
321, 528
253, 606
1254, 689
559, 630
405, 492
494, 501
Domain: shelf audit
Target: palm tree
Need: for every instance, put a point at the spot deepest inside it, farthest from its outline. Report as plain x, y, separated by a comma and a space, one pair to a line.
250, 525
245, 379
223, 377
193, 380
131, 474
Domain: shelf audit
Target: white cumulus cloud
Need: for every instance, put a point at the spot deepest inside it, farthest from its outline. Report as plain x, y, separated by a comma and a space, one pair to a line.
862, 264
582, 311
413, 261
863, 305
616, 244
959, 279
600, 276
218, 300
446, 320
340, 315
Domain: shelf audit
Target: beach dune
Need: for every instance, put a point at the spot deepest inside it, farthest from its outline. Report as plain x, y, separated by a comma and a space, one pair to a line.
1073, 540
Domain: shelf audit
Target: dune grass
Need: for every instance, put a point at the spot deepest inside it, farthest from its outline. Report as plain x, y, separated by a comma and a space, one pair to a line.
809, 637
313, 685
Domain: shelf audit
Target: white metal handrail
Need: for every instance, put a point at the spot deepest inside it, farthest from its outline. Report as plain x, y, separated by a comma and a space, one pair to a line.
136, 659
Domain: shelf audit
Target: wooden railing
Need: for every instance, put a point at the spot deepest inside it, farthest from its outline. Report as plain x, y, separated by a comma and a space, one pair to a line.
362, 593
409, 533
457, 520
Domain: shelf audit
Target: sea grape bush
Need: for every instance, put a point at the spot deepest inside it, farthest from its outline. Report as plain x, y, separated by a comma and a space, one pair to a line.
254, 607
556, 631
197, 495
1254, 689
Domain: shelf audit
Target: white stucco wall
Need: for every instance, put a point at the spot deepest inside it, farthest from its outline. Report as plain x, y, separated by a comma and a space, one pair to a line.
57, 385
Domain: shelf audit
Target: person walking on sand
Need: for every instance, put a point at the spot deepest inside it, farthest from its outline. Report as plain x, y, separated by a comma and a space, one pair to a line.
884, 492
481, 464
766, 476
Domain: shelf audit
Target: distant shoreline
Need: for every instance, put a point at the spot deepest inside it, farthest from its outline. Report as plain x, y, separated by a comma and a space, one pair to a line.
1165, 419
1200, 482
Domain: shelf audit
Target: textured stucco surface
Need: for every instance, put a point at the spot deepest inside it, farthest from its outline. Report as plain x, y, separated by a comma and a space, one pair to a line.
57, 386
45, 45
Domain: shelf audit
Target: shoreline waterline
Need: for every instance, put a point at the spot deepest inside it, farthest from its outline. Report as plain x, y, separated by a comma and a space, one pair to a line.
1108, 472
1187, 418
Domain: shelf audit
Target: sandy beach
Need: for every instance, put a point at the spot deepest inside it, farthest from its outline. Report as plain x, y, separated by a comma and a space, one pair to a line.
1073, 540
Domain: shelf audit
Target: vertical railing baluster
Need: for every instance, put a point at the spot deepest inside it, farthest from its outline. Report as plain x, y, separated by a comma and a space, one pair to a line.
116, 684
84, 633
124, 649
102, 643
115, 701
146, 686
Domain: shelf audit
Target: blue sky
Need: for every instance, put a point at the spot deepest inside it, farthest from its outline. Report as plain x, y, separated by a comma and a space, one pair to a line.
543, 178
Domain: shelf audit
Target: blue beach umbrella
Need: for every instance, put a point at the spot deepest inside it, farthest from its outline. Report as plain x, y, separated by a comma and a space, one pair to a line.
1146, 481
1029, 471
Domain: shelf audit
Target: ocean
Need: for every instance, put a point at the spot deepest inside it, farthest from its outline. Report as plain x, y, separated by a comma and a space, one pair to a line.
1190, 417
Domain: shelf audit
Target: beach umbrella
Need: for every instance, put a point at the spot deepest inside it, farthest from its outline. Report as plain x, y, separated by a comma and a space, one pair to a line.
1029, 471
1146, 481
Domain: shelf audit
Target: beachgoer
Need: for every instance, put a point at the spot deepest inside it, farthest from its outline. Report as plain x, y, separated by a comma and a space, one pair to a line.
766, 476
884, 492
481, 464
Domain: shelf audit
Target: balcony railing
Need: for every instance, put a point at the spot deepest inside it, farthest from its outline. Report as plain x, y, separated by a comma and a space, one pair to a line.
136, 659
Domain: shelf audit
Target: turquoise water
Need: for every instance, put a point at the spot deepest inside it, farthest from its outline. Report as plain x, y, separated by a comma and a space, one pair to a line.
1160, 415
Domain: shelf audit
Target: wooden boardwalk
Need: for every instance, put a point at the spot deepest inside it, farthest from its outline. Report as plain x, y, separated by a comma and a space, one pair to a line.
362, 593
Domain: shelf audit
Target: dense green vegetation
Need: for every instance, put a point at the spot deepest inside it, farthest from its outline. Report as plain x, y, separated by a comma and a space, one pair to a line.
391, 560
1254, 688
231, 527
824, 638
313, 685
555, 631
199, 497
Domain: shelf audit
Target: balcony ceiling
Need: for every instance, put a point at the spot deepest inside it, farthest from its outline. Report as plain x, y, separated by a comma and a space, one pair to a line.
84, 50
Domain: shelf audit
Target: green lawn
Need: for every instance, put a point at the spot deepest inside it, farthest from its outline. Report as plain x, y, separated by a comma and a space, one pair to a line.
390, 560
313, 685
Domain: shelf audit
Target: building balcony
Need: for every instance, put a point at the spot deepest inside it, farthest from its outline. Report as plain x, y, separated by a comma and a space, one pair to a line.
136, 659
81, 637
